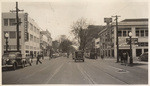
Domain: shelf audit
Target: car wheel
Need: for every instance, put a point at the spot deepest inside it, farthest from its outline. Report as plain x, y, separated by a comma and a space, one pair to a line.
14, 66
30, 64
23, 64
75, 60
83, 60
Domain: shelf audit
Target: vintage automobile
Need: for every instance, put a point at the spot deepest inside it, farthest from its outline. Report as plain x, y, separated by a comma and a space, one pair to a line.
14, 60
143, 57
87, 54
79, 56
93, 54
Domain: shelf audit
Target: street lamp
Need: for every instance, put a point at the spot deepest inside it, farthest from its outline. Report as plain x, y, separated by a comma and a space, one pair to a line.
6, 36
131, 59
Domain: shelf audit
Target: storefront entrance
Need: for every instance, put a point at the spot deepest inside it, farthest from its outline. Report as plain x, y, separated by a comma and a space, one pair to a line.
138, 52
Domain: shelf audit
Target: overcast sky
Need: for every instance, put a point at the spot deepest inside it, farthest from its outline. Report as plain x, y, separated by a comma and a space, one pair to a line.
57, 16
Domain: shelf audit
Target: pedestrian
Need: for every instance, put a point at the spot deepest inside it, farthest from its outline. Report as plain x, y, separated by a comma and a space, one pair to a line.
42, 55
49, 55
121, 56
67, 55
125, 56
95, 55
38, 59
102, 57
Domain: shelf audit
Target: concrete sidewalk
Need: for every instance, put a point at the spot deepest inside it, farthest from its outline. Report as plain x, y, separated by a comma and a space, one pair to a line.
136, 63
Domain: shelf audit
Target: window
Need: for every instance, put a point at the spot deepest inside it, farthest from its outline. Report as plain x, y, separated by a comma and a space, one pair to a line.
34, 39
142, 33
31, 37
12, 34
34, 29
5, 22
12, 22
124, 33
119, 33
31, 47
27, 47
128, 32
146, 32
143, 44
137, 32
27, 51
31, 26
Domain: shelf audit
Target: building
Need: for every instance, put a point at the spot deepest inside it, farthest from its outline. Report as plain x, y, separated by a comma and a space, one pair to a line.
96, 44
29, 33
45, 42
139, 29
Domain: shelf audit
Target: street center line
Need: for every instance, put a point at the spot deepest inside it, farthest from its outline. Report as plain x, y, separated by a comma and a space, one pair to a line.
56, 71
85, 75
34, 73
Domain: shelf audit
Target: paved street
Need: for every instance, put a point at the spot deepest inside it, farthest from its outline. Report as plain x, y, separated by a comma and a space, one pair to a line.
64, 70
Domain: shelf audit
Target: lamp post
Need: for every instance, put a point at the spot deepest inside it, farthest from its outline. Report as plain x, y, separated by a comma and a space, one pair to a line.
6, 36
131, 59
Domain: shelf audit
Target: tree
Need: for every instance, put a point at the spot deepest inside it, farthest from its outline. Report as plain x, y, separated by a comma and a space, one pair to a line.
79, 30
84, 33
65, 46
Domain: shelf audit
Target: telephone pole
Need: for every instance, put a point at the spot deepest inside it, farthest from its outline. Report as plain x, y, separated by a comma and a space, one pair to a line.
117, 36
17, 25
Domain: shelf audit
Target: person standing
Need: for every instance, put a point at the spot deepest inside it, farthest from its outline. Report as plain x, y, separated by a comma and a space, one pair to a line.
125, 56
38, 59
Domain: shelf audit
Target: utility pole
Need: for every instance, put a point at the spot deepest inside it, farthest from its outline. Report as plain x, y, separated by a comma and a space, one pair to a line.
117, 36
17, 25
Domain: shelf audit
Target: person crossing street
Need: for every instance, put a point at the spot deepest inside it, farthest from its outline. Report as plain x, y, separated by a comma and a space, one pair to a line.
38, 59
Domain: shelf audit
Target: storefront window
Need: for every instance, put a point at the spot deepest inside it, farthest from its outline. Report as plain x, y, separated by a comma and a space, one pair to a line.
5, 22
142, 33
137, 32
119, 33
124, 33
146, 32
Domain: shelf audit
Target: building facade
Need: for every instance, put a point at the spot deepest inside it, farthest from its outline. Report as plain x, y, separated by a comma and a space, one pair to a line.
45, 42
29, 33
139, 29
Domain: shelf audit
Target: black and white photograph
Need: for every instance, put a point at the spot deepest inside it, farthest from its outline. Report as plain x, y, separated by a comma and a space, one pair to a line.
74, 42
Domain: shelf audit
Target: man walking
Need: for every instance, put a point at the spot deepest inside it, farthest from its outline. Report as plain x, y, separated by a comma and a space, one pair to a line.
38, 59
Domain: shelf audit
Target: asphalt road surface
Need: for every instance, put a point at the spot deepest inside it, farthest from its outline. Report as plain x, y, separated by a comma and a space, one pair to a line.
64, 70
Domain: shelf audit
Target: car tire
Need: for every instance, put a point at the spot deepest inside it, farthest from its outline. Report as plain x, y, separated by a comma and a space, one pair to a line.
75, 60
83, 60
30, 64
23, 64
14, 66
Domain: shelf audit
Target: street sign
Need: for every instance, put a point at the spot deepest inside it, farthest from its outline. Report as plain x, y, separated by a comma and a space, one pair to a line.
108, 20
133, 40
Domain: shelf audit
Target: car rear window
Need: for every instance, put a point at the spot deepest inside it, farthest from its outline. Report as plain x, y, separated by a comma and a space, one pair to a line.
12, 55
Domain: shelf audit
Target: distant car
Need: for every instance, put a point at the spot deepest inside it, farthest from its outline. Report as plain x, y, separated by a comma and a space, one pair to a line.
79, 56
143, 57
87, 54
55, 55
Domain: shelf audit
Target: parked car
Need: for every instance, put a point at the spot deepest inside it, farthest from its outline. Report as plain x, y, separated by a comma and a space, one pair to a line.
13, 60
55, 55
79, 56
143, 57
